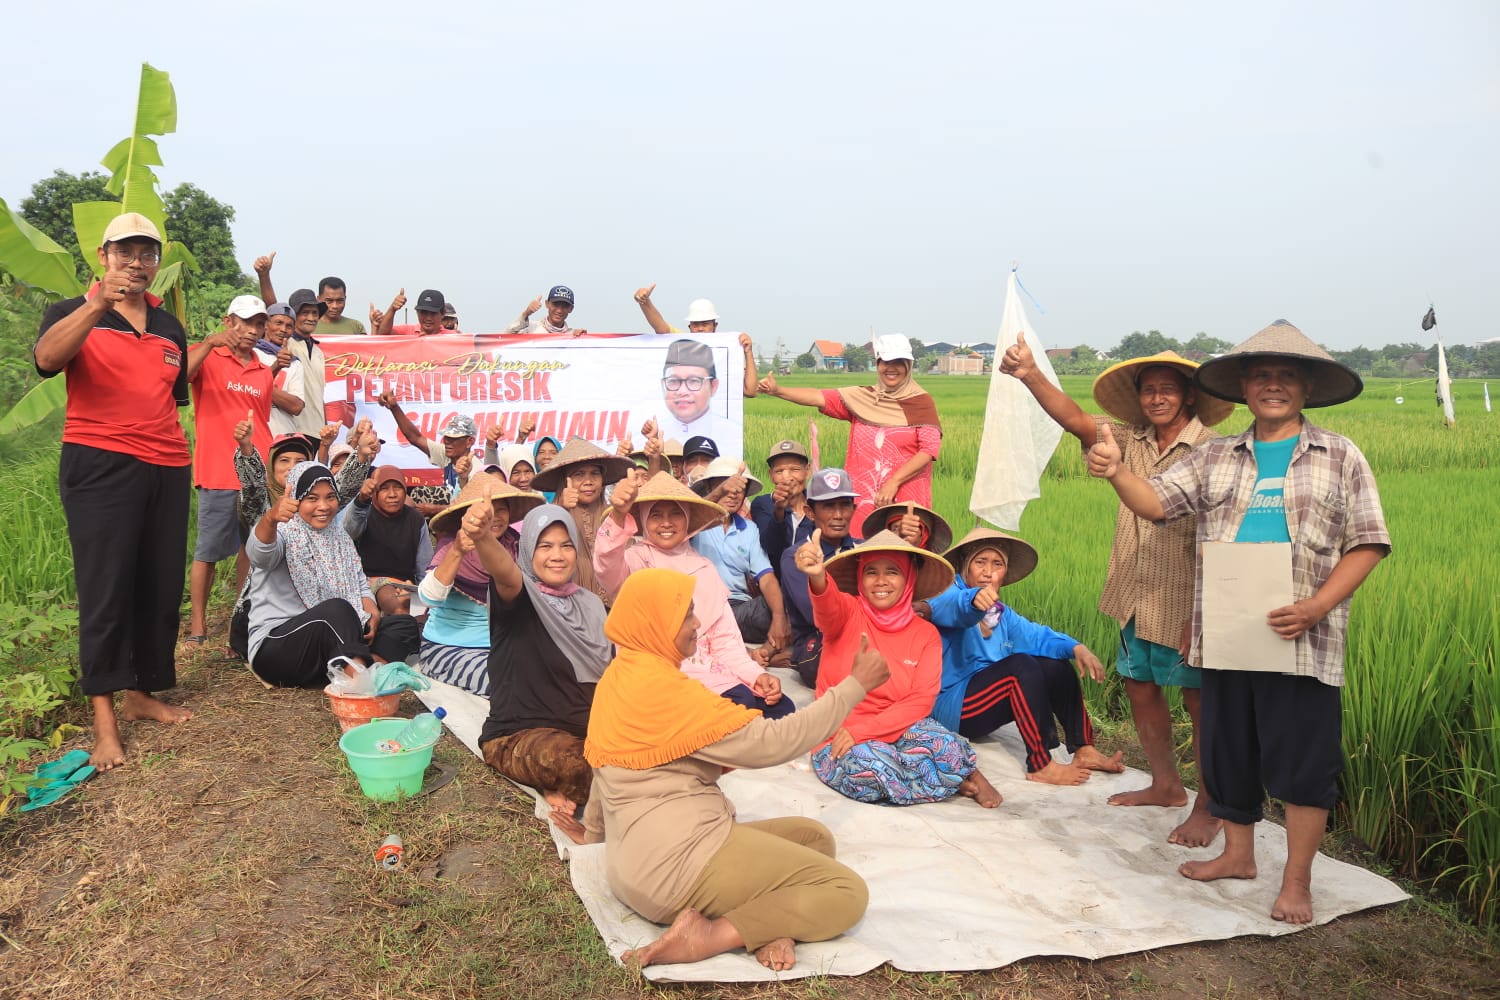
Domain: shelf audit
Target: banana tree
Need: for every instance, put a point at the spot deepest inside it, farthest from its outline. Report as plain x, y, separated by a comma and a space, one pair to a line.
34, 259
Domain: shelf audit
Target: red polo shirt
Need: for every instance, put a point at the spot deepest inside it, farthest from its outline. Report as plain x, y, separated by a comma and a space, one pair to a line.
124, 386
224, 389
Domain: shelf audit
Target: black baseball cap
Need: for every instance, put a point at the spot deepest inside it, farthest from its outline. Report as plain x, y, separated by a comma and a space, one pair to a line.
430, 301
700, 445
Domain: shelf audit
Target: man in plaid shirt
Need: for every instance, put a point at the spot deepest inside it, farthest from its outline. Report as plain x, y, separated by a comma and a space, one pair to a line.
1289, 481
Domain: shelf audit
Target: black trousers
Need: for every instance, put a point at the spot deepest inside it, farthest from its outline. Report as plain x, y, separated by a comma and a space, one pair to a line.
1269, 733
295, 653
754, 619
127, 522
1029, 691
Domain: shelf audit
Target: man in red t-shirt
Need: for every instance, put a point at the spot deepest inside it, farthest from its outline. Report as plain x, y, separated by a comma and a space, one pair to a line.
123, 479
229, 382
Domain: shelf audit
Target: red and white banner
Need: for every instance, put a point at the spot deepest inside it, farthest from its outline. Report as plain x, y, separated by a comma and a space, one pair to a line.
602, 387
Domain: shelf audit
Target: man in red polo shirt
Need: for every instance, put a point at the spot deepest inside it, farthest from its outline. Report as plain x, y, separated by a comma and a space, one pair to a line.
229, 381
123, 478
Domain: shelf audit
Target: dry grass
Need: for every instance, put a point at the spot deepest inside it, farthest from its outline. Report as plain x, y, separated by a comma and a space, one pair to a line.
233, 858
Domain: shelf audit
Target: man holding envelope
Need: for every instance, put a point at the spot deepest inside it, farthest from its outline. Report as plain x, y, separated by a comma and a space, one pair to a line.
1283, 481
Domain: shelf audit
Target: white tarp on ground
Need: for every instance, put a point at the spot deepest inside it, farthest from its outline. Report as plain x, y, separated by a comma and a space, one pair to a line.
953, 887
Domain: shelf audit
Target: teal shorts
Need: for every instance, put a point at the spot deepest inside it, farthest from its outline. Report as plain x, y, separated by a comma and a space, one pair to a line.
1154, 663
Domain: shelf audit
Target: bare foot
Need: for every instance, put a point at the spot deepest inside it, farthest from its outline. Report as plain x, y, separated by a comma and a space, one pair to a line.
1169, 796
691, 938
1199, 829
778, 956
138, 705
1294, 905
1220, 867
1059, 774
109, 752
1092, 759
977, 787
560, 802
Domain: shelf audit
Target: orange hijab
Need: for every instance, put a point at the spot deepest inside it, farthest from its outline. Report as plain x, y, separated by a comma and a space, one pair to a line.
646, 711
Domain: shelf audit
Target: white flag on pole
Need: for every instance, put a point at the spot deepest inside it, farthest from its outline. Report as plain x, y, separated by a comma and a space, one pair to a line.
1487, 398
1019, 438
1444, 384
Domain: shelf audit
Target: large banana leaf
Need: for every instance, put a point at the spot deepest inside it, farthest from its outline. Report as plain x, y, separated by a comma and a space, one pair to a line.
37, 405
33, 259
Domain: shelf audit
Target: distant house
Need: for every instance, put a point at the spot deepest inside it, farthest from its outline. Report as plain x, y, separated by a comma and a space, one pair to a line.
940, 348
1060, 354
1417, 364
961, 362
985, 351
827, 355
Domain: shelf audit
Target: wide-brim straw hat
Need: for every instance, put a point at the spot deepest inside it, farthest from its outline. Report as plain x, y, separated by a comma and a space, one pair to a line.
721, 469
1333, 381
664, 486
934, 574
1020, 555
520, 502
940, 535
1116, 392
579, 451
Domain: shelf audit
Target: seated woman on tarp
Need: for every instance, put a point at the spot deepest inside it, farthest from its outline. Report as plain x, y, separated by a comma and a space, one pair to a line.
389, 534
659, 741
258, 493
576, 478
309, 599
549, 650
999, 667
667, 515
889, 750
456, 586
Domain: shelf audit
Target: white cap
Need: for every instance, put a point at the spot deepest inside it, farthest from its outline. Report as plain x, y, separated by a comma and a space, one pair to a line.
247, 307
892, 347
702, 311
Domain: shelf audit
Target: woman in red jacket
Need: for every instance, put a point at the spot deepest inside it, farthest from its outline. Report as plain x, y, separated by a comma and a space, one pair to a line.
889, 749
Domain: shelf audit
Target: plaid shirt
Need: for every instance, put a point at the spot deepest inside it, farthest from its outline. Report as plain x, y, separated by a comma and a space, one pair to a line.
1331, 507
1151, 565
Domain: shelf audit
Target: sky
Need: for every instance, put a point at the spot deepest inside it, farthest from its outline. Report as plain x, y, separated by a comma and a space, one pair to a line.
823, 170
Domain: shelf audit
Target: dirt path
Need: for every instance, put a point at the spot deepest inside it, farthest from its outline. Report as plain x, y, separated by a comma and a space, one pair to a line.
232, 858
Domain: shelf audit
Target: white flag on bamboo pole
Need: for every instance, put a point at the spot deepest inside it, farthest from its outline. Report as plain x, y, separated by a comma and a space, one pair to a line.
1444, 384
1019, 438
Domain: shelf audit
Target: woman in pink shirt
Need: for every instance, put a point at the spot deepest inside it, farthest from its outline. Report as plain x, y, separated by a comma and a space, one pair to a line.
667, 515
894, 431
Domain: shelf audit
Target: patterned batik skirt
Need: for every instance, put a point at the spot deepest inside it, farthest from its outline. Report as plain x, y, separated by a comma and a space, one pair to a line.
926, 763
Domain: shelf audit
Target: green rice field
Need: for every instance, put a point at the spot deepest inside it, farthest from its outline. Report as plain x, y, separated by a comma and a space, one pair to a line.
1422, 707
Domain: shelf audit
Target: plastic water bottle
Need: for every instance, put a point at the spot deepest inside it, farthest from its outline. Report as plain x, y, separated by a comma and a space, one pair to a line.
422, 731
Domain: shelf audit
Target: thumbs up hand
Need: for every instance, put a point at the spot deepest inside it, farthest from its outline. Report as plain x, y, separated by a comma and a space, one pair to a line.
1104, 456
1017, 361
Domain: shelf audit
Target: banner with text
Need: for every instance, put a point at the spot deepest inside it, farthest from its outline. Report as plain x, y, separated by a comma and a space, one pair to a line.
602, 387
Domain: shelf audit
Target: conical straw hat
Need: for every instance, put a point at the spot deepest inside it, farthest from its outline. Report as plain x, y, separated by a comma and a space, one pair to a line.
721, 469
1116, 393
1333, 381
934, 574
940, 536
520, 502
579, 451
664, 486
1020, 555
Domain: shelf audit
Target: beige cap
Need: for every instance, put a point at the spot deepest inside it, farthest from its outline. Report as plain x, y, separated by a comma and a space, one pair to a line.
131, 225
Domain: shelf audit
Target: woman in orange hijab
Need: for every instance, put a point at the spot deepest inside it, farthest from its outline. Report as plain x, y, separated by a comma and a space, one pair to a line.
658, 741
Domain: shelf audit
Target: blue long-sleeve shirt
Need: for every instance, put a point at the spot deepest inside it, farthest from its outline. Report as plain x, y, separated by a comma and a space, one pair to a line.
966, 651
